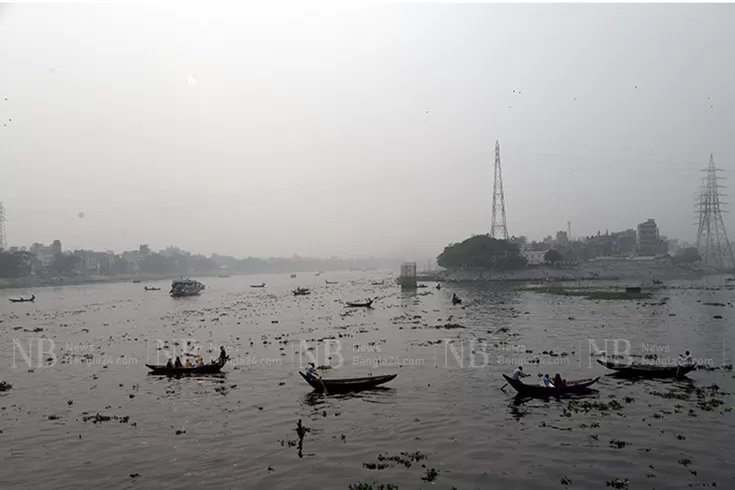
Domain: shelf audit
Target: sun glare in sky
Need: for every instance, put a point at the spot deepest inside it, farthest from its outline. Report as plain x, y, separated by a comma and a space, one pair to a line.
191, 80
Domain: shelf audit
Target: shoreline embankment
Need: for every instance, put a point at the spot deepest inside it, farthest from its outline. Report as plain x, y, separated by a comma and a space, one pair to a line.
638, 273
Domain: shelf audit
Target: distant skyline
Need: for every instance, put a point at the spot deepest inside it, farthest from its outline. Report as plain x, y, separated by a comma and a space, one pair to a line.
356, 131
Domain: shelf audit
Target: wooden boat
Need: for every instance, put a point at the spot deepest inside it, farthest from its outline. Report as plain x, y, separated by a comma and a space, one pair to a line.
647, 370
301, 292
163, 370
347, 385
151, 289
364, 304
23, 300
579, 386
261, 285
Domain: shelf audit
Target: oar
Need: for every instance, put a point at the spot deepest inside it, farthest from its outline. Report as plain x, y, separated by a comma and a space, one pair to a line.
324, 388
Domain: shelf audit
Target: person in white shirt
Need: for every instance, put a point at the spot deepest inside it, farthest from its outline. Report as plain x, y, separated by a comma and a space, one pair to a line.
518, 374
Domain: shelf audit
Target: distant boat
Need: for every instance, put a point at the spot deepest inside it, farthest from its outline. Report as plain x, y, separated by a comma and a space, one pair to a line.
23, 300
151, 289
378, 283
293, 275
163, 370
261, 285
136, 281
346, 385
579, 386
301, 291
331, 282
186, 287
647, 370
223, 275
456, 300
364, 304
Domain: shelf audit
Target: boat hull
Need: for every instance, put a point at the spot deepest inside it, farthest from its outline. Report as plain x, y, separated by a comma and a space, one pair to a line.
213, 368
572, 387
369, 304
347, 385
647, 371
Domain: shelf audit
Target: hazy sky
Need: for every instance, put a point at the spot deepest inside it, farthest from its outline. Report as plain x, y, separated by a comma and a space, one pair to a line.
356, 131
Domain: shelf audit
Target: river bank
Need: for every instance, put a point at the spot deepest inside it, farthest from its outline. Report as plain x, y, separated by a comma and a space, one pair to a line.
588, 271
40, 282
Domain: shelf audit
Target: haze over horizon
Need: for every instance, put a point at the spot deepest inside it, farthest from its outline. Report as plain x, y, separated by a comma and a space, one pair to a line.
325, 130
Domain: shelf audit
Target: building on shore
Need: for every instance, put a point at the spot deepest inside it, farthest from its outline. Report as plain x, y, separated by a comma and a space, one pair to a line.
534, 257
649, 242
45, 254
562, 239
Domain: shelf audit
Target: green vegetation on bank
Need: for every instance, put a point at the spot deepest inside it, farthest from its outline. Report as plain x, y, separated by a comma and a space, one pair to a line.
592, 294
482, 253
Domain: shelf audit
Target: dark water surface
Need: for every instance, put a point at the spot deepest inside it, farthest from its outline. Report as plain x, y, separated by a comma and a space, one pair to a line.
238, 429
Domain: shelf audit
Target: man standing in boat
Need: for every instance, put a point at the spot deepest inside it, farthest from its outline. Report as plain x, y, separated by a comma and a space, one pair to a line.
222, 355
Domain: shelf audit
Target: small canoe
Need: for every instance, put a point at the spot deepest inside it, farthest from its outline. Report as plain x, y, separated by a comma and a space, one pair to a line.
365, 304
23, 300
646, 370
163, 370
347, 385
261, 285
579, 386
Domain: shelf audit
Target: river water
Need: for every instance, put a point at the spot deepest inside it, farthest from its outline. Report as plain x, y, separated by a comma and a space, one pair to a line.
446, 406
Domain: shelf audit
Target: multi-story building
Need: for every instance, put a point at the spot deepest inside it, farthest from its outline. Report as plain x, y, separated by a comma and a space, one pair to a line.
649, 241
45, 253
562, 239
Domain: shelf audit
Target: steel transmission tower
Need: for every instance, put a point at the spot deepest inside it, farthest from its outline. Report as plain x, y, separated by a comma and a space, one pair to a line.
712, 242
498, 227
3, 238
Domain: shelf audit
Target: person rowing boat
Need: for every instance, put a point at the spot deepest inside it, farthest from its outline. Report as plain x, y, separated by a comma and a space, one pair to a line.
312, 374
517, 375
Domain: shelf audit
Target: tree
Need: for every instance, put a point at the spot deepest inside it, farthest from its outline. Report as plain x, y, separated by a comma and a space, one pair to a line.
12, 265
687, 256
158, 264
481, 252
64, 264
553, 256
